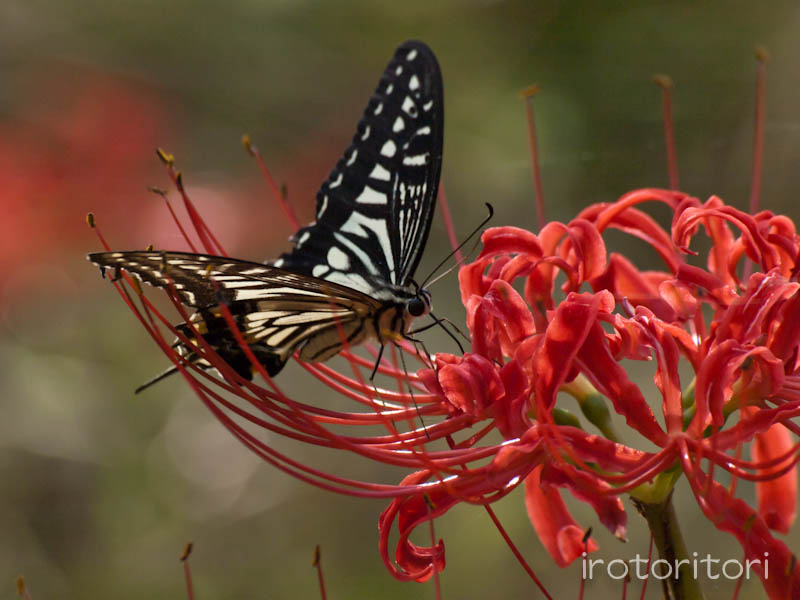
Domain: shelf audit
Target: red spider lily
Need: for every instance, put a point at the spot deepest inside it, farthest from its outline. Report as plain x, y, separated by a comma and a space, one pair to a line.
740, 336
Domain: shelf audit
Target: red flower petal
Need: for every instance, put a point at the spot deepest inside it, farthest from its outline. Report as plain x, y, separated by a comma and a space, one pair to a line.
777, 498
558, 531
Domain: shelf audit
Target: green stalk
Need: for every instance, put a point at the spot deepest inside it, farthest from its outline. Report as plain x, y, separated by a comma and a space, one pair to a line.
663, 522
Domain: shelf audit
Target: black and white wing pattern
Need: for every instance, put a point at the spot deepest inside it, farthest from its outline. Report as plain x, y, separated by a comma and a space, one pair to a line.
375, 209
276, 311
349, 276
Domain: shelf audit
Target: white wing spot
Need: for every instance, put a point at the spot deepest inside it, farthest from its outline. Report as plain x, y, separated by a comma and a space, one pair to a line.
415, 161
365, 135
427, 106
389, 149
399, 70
319, 270
379, 108
412, 55
399, 124
303, 239
413, 83
409, 107
338, 259
389, 89
323, 207
371, 196
352, 158
378, 172
336, 182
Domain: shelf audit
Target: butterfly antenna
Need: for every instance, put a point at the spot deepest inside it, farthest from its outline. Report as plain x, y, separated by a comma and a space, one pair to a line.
461, 245
453, 267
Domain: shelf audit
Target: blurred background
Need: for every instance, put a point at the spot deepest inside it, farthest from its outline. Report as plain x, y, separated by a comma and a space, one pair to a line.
101, 489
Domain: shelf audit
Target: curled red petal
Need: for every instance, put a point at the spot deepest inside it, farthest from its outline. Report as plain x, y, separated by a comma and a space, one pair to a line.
781, 576
786, 337
777, 498
755, 244
566, 333
623, 216
680, 298
412, 562
624, 280
471, 385
512, 463
511, 411
592, 490
509, 240
720, 370
561, 536
744, 319
513, 319
589, 249
612, 380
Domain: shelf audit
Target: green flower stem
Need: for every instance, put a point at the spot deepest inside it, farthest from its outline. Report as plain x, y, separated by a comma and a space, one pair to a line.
668, 539
593, 405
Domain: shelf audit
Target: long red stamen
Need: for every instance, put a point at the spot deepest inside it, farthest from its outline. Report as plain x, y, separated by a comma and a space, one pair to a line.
666, 85
280, 198
762, 56
317, 564
175, 218
528, 95
187, 574
444, 207
515, 551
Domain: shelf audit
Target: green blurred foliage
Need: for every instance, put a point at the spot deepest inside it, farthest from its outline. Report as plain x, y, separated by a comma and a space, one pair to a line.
101, 490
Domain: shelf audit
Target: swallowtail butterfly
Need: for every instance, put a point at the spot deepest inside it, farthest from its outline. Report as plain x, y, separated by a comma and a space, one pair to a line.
350, 274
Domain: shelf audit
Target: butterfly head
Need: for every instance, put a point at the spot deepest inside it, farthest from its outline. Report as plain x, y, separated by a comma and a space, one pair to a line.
420, 304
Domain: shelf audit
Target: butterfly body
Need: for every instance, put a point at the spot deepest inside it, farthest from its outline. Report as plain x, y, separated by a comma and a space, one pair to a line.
349, 277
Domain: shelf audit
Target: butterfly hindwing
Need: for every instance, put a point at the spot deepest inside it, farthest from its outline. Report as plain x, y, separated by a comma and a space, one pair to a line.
276, 311
375, 209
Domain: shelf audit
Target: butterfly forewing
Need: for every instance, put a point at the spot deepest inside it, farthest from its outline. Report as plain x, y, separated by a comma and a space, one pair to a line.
374, 211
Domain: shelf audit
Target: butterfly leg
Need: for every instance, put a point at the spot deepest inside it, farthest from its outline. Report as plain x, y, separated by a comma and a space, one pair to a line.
411, 388
440, 323
377, 363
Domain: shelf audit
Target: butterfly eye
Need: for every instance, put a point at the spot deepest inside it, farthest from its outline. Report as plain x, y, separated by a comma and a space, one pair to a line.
416, 307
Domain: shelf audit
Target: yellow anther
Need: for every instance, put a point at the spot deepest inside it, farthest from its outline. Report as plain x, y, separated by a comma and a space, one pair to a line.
530, 91
167, 158
663, 81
